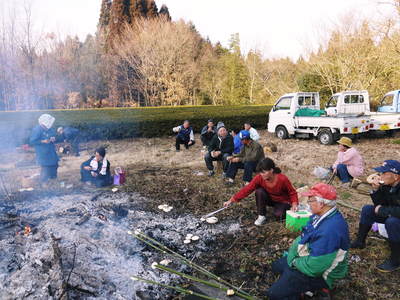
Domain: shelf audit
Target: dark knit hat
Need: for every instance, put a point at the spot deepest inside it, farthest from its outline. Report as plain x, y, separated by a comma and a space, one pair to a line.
101, 151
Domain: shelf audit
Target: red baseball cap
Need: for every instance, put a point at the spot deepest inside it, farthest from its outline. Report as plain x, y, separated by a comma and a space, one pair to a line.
322, 190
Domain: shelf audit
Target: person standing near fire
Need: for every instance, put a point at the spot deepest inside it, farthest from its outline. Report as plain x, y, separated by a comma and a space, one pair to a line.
42, 139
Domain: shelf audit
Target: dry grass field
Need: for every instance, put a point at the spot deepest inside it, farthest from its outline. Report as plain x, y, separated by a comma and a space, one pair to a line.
180, 179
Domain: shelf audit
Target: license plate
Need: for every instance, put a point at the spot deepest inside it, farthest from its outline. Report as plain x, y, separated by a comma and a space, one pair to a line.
354, 130
384, 127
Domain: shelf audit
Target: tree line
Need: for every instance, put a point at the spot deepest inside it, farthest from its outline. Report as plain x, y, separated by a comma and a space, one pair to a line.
140, 57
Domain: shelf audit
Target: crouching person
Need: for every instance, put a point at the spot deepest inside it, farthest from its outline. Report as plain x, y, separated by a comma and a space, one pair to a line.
220, 149
96, 169
184, 136
386, 209
248, 158
318, 257
272, 188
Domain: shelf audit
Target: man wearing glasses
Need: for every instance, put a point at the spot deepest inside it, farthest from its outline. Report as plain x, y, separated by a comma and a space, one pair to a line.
385, 196
318, 257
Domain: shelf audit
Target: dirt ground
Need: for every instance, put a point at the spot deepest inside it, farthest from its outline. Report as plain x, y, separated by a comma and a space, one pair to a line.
180, 179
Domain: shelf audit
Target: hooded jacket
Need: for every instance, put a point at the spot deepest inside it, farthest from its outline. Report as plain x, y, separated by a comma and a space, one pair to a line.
322, 248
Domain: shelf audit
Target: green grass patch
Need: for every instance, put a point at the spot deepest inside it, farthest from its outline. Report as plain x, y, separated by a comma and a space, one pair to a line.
396, 142
118, 123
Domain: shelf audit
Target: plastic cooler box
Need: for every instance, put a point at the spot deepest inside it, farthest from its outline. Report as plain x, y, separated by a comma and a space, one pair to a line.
295, 221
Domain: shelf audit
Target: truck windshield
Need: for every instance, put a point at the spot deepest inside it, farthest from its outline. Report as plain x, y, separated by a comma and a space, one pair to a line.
283, 103
332, 102
387, 100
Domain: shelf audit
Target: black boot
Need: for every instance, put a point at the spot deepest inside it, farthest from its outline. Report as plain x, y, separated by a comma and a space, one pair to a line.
359, 243
393, 262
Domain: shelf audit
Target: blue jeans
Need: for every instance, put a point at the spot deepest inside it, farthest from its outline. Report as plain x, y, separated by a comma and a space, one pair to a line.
343, 173
292, 283
392, 224
249, 167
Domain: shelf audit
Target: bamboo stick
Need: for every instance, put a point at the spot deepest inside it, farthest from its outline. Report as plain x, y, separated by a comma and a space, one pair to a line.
176, 288
205, 282
347, 205
164, 249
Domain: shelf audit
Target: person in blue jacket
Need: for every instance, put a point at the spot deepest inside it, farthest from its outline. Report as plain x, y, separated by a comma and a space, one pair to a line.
184, 135
42, 139
70, 135
318, 257
237, 142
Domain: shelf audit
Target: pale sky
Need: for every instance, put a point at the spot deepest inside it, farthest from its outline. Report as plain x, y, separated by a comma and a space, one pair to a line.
278, 28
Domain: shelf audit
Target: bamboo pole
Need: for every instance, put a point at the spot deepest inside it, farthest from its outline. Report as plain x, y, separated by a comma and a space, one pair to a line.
176, 288
205, 282
347, 205
164, 249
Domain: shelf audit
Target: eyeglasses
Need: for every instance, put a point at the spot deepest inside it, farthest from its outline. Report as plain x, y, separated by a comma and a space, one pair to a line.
309, 201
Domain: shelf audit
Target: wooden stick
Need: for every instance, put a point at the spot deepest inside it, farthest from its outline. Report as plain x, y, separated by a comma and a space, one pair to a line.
348, 205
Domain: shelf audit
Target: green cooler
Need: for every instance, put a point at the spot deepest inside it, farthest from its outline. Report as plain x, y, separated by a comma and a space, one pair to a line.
295, 221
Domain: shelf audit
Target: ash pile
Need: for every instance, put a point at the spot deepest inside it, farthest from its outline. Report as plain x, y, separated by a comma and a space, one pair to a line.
77, 246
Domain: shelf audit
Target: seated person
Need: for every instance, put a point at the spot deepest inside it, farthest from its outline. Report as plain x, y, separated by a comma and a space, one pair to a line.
184, 136
253, 132
221, 147
386, 210
318, 257
96, 169
70, 135
349, 163
207, 133
272, 188
248, 158
237, 143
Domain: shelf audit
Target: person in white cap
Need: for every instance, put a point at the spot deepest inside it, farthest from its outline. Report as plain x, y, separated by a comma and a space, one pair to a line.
42, 139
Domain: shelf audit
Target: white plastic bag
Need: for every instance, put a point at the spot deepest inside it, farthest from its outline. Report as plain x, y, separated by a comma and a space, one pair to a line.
321, 173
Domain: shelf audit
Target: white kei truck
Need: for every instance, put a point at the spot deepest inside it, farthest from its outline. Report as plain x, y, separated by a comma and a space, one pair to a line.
387, 117
299, 115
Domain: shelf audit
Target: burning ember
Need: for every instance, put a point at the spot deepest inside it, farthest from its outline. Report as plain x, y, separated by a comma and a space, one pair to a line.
27, 230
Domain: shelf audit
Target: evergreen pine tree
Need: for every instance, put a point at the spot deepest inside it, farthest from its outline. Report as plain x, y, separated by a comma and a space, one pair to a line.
118, 17
164, 13
104, 19
137, 9
152, 10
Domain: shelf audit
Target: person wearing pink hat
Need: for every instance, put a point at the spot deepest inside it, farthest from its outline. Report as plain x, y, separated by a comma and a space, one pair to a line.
318, 257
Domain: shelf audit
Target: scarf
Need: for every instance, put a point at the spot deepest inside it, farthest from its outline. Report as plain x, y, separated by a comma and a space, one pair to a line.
94, 164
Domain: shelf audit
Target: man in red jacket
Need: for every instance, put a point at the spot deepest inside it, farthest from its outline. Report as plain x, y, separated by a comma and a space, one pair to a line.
272, 189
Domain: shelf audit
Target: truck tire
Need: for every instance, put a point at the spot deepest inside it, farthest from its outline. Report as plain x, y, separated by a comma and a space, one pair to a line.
325, 137
389, 133
281, 132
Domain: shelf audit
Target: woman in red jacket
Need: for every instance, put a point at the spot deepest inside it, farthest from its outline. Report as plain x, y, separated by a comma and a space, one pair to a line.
272, 188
